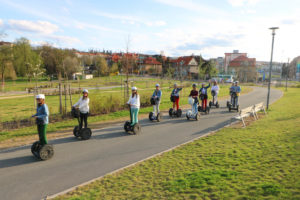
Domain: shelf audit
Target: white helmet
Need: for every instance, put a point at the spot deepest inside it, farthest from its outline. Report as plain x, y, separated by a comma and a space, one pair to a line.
85, 91
40, 96
157, 85
134, 88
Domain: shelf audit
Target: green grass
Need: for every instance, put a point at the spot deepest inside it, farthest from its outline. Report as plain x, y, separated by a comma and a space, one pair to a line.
261, 161
20, 108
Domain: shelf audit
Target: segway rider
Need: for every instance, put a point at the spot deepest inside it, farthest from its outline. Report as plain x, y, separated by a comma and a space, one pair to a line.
42, 114
134, 102
237, 90
203, 95
194, 94
83, 105
175, 96
216, 89
157, 97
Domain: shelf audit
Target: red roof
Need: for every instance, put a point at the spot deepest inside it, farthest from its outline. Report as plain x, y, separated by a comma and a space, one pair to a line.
151, 61
185, 60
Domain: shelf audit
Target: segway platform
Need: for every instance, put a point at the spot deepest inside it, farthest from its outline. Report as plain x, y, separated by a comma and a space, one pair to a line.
84, 133
42, 152
175, 113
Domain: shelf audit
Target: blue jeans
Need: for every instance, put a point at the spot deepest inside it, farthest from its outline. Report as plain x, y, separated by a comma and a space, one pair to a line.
195, 108
236, 101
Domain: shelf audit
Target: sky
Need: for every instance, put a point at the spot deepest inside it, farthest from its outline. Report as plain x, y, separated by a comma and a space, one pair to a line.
176, 27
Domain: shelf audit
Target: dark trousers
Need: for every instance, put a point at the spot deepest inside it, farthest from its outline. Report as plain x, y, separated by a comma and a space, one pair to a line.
42, 128
83, 118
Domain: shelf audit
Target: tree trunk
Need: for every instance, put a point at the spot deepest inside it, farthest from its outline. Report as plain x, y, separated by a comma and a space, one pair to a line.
60, 98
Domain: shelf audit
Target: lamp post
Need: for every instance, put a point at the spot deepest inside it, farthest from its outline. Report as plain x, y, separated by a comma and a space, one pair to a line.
270, 70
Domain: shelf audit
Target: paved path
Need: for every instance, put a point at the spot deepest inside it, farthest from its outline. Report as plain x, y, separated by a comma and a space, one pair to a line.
74, 162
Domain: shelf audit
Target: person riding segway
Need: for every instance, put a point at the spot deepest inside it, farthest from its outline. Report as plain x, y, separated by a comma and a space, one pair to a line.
214, 93
235, 97
193, 101
203, 96
41, 149
231, 89
133, 125
175, 99
155, 101
82, 116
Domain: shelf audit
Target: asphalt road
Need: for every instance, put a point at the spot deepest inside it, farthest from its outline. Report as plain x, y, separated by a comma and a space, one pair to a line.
74, 162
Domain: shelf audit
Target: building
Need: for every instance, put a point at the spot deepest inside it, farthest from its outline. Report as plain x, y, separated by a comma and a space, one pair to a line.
243, 68
185, 66
231, 56
150, 65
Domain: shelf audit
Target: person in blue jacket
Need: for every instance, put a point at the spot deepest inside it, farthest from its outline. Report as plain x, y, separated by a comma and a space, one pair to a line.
203, 95
41, 116
237, 90
157, 97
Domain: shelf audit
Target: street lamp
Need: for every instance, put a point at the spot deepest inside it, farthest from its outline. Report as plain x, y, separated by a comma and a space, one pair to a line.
270, 70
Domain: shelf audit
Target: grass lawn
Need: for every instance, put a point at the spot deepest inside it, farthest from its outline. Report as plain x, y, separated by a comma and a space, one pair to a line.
261, 161
24, 107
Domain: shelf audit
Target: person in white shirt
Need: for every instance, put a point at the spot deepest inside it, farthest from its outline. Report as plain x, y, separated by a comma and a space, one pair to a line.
215, 88
83, 105
134, 102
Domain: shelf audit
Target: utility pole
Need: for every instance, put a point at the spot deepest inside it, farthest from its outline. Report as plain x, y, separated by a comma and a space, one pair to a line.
286, 73
270, 70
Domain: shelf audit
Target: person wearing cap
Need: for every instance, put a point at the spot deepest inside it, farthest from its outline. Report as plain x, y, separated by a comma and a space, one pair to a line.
203, 95
175, 95
83, 105
194, 94
42, 120
215, 88
157, 96
134, 102
237, 90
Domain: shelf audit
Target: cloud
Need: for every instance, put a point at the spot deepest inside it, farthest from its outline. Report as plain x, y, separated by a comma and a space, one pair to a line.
206, 43
129, 19
42, 27
192, 6
239, 3
1, 22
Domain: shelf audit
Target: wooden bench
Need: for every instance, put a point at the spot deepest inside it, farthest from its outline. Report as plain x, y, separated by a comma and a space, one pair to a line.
259, 107
246, 112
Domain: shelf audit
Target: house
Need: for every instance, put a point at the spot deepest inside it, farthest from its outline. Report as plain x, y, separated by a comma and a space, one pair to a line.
243, 68
231, 56
185, 66
150, 65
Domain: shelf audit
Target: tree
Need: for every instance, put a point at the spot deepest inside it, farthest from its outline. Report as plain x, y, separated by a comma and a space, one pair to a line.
70, 65
5, 62
101, 66
114, 68
207, 69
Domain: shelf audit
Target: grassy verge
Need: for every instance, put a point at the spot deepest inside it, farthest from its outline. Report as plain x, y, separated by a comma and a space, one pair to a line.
53, 127
261, 161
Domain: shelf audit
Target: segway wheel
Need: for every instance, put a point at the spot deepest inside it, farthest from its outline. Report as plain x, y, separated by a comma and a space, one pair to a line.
199, 108
227, 104
217, 105
85, 133
171, 112
187, 116
151, 116
237, 108
197, 116
76, 131
229, 108
46, 152
35, 148
179, 113
127, 126
159, 117
210, 104
137, 129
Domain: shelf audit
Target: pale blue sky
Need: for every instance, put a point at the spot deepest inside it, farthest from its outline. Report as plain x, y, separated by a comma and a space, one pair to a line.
177, 27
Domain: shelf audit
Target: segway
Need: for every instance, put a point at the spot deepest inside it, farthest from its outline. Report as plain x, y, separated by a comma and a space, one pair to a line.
42, 152
173, 112
135, 129
213, 103
152, 117
83, 133
191, 114
200, 107
232, 105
